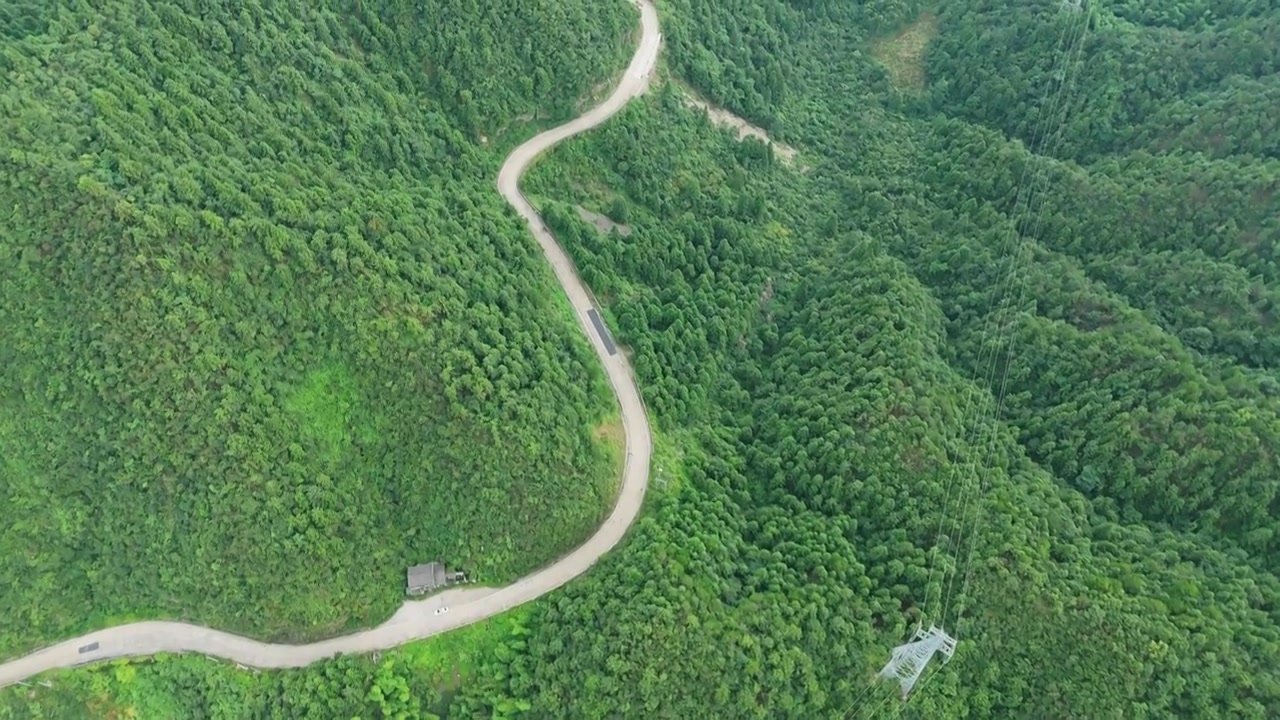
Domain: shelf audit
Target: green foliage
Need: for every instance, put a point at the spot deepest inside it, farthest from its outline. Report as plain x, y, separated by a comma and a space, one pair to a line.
691, 265
270, 336
417, 682
488, 63
323, 409
23, 17
1076, 474
1123, 564
1178, 77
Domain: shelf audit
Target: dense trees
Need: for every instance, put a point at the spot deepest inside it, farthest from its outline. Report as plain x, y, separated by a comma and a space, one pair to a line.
269, 336
1140, 77
844, 421
1123, 562
816, 342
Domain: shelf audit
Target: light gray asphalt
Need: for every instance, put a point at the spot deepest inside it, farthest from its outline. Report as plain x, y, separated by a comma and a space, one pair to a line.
416, 620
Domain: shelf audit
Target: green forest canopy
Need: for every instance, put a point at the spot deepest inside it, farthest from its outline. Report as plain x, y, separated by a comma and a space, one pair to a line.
815, 346
270, 336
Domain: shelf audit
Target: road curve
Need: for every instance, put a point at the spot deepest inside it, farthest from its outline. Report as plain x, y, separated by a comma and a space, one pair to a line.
416, 620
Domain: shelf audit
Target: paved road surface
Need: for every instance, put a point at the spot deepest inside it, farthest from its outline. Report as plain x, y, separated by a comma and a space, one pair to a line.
417, 620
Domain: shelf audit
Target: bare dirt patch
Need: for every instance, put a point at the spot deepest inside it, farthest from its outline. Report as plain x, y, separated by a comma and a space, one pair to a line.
902, 54
603, 223
720, 116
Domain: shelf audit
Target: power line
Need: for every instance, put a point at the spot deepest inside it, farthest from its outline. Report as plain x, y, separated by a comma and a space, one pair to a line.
1003, 318
908, 661
972, 392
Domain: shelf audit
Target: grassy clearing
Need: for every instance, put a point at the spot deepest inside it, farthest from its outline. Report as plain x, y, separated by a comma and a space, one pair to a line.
327, 408
666, 472
902, 54
610, 435
610, 432
456, 656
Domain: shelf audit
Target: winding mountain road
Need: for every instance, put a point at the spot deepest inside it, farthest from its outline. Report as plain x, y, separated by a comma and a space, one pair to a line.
416, 620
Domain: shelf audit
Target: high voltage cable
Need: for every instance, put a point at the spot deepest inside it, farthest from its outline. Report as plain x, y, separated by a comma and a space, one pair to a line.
1004, 318
899, 708
973, 393
999, 323
996, 321
1004, 379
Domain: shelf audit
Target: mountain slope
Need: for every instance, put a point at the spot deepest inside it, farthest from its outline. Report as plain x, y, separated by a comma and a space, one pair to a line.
270, 336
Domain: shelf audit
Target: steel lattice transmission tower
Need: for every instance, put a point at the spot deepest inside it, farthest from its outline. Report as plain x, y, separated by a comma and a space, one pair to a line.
908, 661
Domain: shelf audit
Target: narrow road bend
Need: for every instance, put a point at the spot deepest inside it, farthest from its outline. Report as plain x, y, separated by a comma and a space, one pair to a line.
417, 620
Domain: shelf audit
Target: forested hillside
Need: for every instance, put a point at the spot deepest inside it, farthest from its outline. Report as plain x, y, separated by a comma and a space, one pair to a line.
999, 350
1125, 503
1157, 76
269, 335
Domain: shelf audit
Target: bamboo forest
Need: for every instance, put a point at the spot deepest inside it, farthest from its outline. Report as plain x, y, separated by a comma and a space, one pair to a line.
961, 314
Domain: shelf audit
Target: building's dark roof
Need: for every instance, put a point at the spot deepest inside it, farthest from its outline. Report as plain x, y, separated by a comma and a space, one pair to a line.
428, 575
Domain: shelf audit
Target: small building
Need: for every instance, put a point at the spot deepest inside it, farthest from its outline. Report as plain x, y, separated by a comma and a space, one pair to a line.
422, 579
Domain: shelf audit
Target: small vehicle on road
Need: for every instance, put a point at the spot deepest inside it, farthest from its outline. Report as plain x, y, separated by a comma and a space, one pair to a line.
442, 610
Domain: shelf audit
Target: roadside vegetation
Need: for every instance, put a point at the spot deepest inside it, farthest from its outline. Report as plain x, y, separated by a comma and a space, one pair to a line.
420, 682
816, 349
